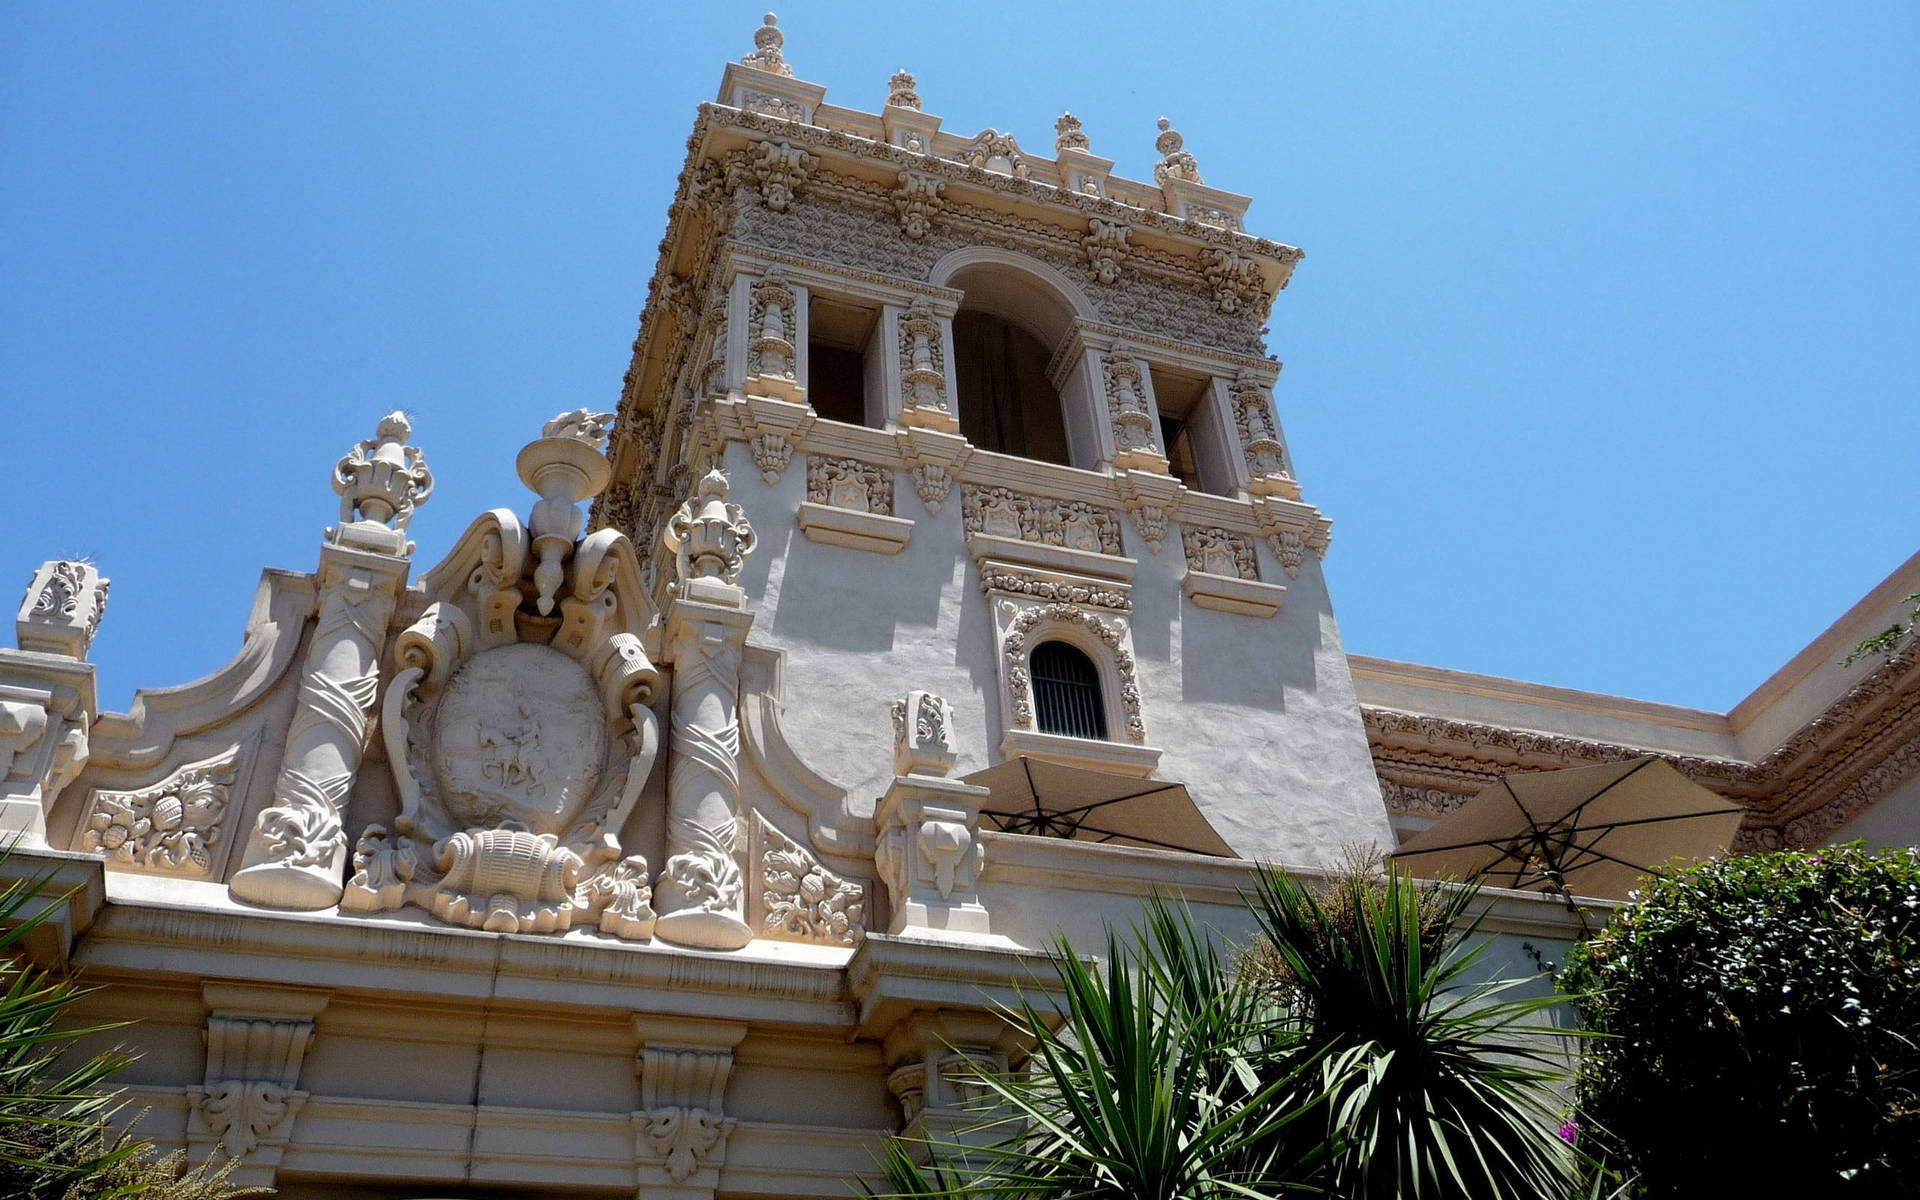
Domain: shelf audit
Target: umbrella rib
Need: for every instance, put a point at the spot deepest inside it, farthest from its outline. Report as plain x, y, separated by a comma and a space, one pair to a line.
1107, 837
1648, 761
1087, 808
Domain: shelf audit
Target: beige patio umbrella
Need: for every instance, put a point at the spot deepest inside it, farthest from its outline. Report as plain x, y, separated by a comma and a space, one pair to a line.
1046, 799
1589, 831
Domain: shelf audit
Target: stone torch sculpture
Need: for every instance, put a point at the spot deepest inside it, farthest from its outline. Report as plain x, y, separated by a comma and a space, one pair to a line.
700, 896
296, 852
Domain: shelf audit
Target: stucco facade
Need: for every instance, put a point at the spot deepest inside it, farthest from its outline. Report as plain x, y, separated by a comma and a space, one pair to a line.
635, 843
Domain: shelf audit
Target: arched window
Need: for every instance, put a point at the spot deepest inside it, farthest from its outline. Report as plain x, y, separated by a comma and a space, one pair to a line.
1007, 403
1066, 692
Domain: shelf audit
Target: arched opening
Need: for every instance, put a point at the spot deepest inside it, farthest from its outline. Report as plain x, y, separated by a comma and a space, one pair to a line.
1012, 319
1007, 403
1066, 692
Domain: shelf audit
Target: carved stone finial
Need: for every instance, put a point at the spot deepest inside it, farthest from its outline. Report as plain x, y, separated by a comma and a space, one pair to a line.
1175, 161
710, 538
565, 466
380, 482
62, 609
1069, 134
767, 41
900, 93
922, 735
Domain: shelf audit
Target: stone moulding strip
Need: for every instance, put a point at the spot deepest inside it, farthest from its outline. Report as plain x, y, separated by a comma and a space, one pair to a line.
1863, 746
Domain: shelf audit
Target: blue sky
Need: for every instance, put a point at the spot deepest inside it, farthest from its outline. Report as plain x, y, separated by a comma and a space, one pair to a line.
1603, 358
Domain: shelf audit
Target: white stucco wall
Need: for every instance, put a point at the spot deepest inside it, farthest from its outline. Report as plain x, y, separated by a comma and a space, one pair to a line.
1257, 717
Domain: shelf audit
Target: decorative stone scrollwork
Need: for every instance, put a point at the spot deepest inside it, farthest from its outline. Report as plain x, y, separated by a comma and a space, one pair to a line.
1111, 632
1290, 548
1260, 438
772, 105
1235, 280
1150, 520
767, 41
851, 484
1175, 161
1107, 246
709, 536
61, 613
803, 901
996, 578
682, 1121
932, 481
1074, 524
172, 827
772, 362
1070, 134
520, 737
248, 1098
997, 152
900, 91
1219, 551
782, 170
923, 368
918, 200
381, 481
771, 453
1133, 440
922, 735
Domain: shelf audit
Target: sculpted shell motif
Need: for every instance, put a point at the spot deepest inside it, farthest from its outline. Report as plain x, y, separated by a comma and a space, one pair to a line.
520, 740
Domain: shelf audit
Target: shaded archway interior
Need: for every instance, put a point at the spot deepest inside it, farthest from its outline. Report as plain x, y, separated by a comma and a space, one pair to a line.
1004, 338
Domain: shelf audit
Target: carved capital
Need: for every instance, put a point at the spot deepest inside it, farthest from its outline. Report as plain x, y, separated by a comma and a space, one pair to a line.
62, 610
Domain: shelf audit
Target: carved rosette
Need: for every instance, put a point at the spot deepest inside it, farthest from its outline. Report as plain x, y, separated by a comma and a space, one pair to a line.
1022, 627
851, 484
923, 369
772, 362
174, 827
1073, 524
801, 900
1134, 446
519, 728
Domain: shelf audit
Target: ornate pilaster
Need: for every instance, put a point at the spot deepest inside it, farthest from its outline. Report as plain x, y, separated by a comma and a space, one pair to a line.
1135, 444
48, 698
773, 360
1267, 470
924, 391
296, 852
701, 894
927, 849
680, 1132
244, 1109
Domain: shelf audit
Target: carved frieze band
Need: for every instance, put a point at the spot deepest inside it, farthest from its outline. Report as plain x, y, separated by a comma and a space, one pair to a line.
1074, 524
997, 578
851, 484
174, 827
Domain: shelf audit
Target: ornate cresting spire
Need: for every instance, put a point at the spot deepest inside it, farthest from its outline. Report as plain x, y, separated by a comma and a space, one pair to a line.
1069, 134
767, 41
380, 482
1175, 162
900, 91
295, 855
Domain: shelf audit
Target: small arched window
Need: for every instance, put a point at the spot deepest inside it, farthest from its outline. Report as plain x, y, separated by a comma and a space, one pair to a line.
1066, 692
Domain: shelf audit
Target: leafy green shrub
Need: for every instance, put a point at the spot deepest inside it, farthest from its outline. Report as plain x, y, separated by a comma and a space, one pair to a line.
1757, 1023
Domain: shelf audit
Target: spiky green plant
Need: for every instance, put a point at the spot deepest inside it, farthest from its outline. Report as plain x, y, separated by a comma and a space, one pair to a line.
1429, 1084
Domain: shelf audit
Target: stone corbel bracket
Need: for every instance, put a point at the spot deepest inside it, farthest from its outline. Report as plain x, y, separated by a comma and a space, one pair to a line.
681, 1128
256, 1038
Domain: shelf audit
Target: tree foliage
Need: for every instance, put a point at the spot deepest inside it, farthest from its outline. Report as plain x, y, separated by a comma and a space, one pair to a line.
1758, 1021
1345, 1053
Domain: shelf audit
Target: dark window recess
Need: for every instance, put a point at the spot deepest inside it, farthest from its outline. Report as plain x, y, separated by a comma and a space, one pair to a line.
1180, 464
1007, 404
837, 383
1066, 692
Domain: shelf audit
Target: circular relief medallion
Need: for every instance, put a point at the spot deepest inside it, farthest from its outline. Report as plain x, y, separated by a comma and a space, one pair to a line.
519, 740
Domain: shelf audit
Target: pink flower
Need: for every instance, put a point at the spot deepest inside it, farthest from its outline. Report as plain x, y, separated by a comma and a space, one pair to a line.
1569, 1132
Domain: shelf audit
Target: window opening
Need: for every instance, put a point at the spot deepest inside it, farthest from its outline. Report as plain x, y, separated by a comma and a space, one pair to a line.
838, 334
1066, 692
1007, 403
1179, 396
